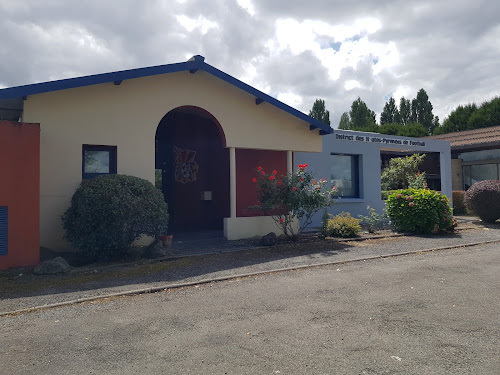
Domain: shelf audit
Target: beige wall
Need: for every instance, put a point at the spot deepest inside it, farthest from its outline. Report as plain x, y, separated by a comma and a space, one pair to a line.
456, 174
127, 116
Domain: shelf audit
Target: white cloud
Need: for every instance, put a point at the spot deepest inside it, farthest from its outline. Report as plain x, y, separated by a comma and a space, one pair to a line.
352, 84
291, 99
247, 5
200, 23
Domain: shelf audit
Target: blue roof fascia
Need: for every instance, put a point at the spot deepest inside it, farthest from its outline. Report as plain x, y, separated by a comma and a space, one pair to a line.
38, 88
193, 65
314, 124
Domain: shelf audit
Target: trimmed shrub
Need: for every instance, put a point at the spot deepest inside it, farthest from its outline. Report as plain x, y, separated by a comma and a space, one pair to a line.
483, 198
458, 202
386, 193
419, 211
343, 225
108, 213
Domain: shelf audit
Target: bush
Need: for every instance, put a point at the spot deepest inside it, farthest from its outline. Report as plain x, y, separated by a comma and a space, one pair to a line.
458, 202
108, 213
386, 193
483, 198
402, 172
419, 211
286, 199
343, 225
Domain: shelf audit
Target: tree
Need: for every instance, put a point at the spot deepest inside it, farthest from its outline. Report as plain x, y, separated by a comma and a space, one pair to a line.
470, 116
345, 121
404, 111
458, 119
390, 112
401, 172
362, 118
488, 114
319, 111
421, 111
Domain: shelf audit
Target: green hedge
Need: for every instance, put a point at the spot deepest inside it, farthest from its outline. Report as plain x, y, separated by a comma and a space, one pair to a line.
343, 225
108, 213
419, 211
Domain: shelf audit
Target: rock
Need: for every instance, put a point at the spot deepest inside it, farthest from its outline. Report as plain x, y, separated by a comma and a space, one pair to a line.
269, 239
156, 250
52, 266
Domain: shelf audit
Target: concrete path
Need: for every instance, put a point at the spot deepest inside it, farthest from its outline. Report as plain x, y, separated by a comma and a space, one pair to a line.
29, 291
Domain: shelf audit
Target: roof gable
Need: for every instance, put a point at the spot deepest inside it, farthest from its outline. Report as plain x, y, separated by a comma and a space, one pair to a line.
192, 65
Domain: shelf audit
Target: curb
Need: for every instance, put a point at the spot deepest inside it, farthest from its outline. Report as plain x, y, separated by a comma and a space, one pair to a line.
231, 277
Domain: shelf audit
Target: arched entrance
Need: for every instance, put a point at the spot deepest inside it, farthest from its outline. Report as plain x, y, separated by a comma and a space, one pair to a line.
193, 163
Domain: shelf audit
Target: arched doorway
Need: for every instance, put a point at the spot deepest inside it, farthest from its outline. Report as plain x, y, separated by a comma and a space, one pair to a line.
193, 163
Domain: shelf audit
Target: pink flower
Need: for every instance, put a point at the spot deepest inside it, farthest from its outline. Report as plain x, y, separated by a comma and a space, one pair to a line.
294, 188
275, 171
262, 173
259, 169
281, 220
302, 179
411, 204
443, 200
254, 179
409, 198
280, 183
399, 196
271, 178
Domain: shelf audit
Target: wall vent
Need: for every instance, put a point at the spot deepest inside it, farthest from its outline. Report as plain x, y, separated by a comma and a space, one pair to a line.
3, 230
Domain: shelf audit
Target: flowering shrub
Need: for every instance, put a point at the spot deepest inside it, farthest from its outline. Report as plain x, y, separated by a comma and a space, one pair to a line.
293, 197
420, 211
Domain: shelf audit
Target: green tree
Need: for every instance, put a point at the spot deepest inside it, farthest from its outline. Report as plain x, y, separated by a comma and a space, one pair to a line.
345, 121
458, 119
404, 111
488, 114
319, 111
362, 118
401, 172
421, 111
390, 112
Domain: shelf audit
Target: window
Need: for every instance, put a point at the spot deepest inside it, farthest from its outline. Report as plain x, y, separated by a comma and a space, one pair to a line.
479, 172
98, 160
345, 174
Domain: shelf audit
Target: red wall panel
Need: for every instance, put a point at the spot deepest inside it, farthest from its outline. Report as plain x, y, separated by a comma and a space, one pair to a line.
20, 191
247, 162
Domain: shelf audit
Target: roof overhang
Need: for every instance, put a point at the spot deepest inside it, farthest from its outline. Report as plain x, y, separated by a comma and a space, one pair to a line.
14, 96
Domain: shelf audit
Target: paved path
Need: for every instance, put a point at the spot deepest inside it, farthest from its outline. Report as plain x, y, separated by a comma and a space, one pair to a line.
29, 290
433, 313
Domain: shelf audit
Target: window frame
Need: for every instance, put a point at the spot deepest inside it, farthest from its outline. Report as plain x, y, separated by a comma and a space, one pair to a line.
113, 150
354, 173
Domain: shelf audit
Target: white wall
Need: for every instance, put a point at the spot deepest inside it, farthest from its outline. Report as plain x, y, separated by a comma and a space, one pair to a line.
360, 143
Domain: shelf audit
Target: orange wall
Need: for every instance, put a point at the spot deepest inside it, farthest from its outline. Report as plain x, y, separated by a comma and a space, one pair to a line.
20, 191
247, 162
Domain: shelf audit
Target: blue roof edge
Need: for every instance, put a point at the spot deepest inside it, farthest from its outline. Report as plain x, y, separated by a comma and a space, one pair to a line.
195, 63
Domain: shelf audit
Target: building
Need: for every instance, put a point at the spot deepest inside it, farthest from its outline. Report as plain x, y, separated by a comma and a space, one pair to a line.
475, 155
203, 130
352, 161
195, 130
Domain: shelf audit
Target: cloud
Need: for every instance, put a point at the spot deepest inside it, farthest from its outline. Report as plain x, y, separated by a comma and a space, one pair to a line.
295, 51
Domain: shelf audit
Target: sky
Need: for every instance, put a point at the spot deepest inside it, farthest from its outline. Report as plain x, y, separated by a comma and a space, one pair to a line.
293, 50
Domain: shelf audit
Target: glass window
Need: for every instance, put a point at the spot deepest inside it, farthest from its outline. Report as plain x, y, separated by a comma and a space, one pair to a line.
98, 160
479, 172
345, 175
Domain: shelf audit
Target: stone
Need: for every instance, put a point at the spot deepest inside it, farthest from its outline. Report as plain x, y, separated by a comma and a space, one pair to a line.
269, 239
156, 250
52, 266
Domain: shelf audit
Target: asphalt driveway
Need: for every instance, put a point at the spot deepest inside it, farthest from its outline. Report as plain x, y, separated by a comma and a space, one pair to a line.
433, 313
